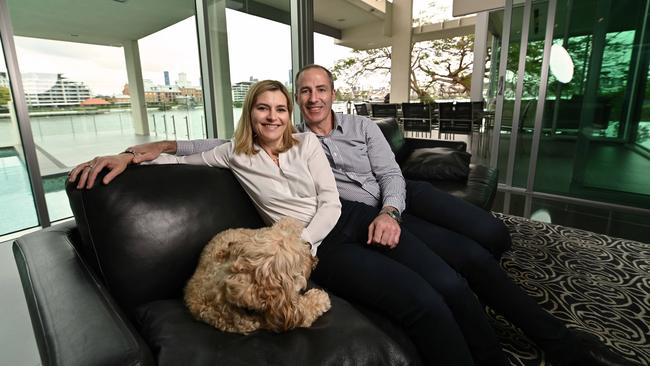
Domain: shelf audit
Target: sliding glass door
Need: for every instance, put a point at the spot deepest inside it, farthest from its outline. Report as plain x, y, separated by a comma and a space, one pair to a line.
571, 134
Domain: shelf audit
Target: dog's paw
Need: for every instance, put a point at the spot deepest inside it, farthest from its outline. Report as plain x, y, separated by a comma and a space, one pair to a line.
319, 300
312, 305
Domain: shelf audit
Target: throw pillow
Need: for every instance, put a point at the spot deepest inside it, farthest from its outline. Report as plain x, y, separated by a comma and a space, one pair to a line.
438, 163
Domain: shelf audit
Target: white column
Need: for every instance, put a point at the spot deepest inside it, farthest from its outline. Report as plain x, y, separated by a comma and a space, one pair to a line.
480, 50
302, 42
136, 87
400, 70
220, 68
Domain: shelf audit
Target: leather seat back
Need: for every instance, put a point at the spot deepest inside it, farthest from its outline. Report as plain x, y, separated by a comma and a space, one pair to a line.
143, 233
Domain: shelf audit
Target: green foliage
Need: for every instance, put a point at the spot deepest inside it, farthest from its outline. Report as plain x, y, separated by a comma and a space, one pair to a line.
643, 133
5, 96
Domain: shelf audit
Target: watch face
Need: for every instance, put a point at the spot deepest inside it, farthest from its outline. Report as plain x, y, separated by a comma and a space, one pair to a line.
395, 215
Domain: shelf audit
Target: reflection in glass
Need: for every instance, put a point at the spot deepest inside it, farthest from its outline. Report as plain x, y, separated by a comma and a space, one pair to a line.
561, 64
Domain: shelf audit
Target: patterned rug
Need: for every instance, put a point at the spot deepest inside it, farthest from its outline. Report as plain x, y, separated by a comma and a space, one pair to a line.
593, 282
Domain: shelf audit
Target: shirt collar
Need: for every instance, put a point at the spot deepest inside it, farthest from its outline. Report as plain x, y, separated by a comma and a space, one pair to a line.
302, 127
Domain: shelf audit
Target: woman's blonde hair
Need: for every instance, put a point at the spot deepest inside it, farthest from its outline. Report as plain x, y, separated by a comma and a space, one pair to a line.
245, 135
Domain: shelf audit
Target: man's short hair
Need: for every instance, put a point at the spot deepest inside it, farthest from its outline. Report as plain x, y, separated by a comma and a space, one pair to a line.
315, 66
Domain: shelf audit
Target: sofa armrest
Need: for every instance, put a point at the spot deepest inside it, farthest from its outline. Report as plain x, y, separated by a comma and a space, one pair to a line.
75, 320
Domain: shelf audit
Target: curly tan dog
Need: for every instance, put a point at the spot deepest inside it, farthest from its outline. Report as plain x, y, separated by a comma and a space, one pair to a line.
252, 279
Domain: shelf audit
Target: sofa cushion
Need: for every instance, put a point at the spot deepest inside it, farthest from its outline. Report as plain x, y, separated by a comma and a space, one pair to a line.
342, 336
437, 163
143, 233
479, 188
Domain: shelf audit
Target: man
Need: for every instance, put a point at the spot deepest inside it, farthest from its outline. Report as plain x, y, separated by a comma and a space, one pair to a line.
366, 173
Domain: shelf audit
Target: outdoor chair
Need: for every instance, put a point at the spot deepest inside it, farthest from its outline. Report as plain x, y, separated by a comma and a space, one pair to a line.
417, 119
455, 118
384, 110
361, 109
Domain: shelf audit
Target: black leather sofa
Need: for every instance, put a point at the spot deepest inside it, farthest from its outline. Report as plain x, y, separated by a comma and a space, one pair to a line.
106, 289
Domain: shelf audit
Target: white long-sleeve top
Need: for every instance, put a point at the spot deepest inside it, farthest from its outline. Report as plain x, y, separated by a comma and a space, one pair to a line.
302, 186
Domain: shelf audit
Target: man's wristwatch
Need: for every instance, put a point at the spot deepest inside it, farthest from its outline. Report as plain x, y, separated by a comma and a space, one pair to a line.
393, 213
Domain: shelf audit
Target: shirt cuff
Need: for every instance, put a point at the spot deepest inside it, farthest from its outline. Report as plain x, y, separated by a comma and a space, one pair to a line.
184, 148
395, 202
306, 236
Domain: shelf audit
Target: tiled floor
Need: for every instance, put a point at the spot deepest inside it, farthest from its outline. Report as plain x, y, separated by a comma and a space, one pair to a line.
17, 343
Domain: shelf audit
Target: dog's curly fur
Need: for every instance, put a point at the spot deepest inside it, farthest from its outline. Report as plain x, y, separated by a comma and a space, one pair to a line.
252, 279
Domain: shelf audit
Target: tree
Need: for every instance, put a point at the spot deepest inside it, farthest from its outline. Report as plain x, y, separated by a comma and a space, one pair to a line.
439, 68
5, 96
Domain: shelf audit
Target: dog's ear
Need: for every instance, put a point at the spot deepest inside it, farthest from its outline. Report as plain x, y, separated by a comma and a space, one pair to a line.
240, 291
283, 278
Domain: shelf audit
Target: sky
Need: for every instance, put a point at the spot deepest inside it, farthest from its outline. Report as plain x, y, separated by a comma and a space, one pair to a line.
262, 54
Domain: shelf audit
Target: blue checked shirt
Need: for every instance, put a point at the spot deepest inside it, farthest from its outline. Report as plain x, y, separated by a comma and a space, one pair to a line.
361, 159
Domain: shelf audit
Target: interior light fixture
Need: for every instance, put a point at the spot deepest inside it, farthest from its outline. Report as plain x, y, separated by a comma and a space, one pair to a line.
561, 64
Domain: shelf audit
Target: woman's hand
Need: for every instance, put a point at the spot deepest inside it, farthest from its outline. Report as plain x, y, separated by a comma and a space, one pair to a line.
87, 172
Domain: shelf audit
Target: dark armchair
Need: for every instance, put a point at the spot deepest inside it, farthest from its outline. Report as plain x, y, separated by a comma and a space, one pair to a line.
480, 183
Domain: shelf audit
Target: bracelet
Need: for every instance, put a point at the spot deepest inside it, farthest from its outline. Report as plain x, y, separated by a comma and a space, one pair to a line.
128, 151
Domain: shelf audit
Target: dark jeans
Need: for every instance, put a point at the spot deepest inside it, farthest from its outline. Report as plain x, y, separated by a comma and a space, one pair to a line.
410, 284
460, 235
441, 208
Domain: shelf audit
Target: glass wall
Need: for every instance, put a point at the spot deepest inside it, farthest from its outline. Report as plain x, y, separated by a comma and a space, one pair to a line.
586, 145
77, 82
585, 119
327, 53
172, 82
259, 55
69, 97
17, 211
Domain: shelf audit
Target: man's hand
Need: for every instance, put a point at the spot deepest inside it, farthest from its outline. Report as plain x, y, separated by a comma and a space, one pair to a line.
384, 230
87, 172
151, 150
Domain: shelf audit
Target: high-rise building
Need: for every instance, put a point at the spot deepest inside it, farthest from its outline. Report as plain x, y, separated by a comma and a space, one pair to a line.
53, 90
166, 73
182, 80
240, 89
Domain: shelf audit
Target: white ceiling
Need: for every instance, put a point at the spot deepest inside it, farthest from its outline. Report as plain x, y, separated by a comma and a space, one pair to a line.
110, 22
105, 22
